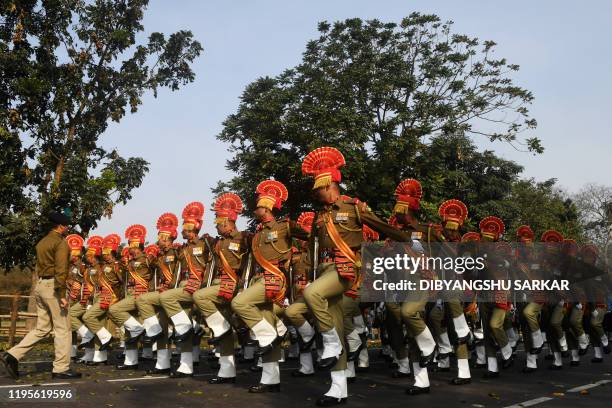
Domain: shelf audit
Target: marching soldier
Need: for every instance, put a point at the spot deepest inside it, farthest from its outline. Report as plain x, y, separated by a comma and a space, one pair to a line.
155, 320
110, 285
52, 257
555, 334
529, 265
177, 302
271, 249
597, 307
89, 295
493, 314
124, 312
421, 342
74, 283
297, 313
338, 230
214, 302
453, 213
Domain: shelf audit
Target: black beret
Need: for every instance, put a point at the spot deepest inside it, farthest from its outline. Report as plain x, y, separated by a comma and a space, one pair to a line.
59, 218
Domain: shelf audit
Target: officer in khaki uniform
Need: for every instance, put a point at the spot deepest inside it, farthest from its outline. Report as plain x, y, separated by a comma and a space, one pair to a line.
52, 259
110, 289
74, 284
177, 302
124, 312
338, 230
155, 320
297, 313
271, 247
214, 302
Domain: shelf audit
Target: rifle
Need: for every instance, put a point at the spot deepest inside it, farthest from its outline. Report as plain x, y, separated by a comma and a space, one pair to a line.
247, 272
211, 267
290, 282
315, 258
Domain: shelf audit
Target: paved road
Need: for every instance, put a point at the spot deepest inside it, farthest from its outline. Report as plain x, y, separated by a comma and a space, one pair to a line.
589, 385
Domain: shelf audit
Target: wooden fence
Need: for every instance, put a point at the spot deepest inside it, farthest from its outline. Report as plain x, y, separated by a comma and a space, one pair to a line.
14, 329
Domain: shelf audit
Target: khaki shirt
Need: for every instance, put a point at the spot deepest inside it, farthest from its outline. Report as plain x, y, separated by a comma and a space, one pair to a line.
167, 259
273, 239
233, 248
53, 258
197, 253
348, 217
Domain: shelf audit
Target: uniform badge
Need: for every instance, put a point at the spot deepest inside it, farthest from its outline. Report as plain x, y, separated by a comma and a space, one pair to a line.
197, 251
75, 271
234, 246
107, 269
169, 258
417, 235
535, 267
342, 217
137, 264
92, 271
272, 236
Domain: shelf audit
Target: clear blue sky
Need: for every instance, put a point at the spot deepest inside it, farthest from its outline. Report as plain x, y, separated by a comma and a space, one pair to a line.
563, 48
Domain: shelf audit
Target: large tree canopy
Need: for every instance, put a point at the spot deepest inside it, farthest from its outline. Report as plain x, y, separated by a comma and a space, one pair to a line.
399, 100
68, 68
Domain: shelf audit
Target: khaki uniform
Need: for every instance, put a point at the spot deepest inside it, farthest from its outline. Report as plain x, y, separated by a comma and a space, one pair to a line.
209, 300
95, 317
273, 241
324, 295
149, 304
52, 259
121, 311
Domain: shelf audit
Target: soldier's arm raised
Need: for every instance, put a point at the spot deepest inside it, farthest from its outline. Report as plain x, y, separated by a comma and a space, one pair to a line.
371, 220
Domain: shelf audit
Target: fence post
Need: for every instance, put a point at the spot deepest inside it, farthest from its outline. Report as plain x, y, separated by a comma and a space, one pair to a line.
14, 314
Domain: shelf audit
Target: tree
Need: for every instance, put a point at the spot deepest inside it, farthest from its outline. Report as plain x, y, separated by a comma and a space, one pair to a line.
594, 202
68, 68
382, 93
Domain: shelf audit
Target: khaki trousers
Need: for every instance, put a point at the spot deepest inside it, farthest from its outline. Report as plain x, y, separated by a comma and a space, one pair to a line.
395, 330
324, 299
50, 316
76, 313
252, 306
208, 302
149, 305
296, 312
174, 301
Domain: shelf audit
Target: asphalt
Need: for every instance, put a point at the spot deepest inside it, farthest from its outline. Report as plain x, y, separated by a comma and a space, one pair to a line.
588, 385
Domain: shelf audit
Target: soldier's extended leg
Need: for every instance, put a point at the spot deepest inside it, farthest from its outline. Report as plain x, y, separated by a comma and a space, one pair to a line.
177, 305
217, 312
324, 299
296, 314
257, 312
412, 315
532, 335
350, 308
95, 319
395, 330
457, 323
76, 313
121, 314
598, 335
496, 324
155, 323
440, 333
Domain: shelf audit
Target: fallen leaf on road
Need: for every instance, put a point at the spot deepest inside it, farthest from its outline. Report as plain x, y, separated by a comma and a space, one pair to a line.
584, 392
494, 395
558, 394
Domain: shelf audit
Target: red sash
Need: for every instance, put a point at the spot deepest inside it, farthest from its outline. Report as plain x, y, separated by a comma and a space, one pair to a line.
346, 260
229, 279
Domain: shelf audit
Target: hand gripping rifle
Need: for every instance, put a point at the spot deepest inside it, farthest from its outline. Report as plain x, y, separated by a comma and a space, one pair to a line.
247, 271
211, 267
